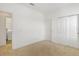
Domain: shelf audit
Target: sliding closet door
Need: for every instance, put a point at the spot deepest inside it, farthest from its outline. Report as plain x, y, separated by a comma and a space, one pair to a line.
2, 31
72, 29
67, 30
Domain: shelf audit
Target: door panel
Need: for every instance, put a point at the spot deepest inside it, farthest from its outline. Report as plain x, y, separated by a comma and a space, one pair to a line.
67, 30
2, 31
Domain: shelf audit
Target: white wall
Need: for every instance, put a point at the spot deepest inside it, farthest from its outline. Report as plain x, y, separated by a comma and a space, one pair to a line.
28, 25
69, 10
8, 23
48, 28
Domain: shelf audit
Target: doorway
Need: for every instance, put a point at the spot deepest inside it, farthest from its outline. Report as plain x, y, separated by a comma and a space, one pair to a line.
6, 29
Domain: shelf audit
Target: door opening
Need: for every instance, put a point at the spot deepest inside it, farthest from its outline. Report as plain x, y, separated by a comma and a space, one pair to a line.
7, 27
8, 30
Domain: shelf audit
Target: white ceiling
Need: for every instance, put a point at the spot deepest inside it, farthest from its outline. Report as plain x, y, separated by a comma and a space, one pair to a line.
48, 7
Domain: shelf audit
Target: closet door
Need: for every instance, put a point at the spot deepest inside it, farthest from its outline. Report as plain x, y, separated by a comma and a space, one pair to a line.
67, 30
2, 31
72, 30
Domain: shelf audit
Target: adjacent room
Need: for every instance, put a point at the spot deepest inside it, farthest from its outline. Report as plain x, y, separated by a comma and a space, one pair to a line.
39, 29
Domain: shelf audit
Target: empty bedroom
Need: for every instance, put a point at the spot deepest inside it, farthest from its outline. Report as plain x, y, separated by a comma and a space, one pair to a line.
39, 29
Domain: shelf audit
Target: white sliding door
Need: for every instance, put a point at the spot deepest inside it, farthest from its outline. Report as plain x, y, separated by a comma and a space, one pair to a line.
72, 29
2, 31
67, 30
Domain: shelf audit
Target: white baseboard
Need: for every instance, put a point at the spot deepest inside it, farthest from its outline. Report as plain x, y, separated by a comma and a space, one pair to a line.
26, 44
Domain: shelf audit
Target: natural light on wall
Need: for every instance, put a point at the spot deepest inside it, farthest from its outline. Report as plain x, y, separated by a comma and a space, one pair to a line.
8, 23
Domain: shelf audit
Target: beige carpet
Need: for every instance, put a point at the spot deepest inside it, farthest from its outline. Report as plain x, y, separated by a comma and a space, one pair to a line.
43, 48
